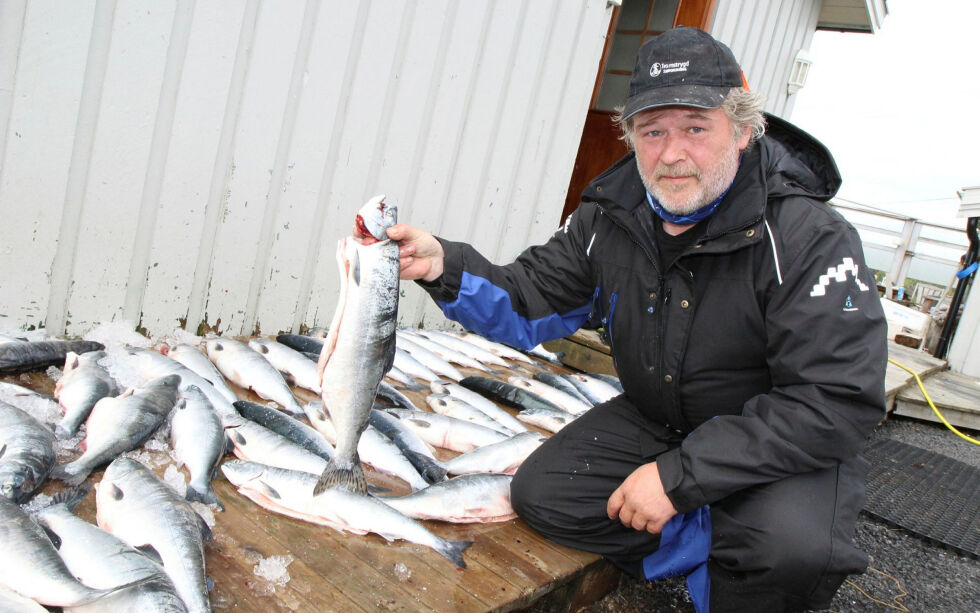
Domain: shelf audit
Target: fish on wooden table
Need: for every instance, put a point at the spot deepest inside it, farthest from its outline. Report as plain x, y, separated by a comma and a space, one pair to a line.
596, 390
562, 400
469, 349
30, 564
539, 351
12, 602
198, 440
360, 347
482, 403
83, 383
475, 498
27, 453
257, 443
289, 492
289, 427
416, 450
100, 560
119, 424
151, 364
508, 393
612, 380
551, 420
447, 432
503, 457
196, 360
447, 353
299, 369
244, 367
558, 382
412, 367
445, 404
25, 356
427, 358
138, 507
493, 347
301, 342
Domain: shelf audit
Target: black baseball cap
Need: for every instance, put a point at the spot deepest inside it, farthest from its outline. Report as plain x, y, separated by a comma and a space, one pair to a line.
682, 67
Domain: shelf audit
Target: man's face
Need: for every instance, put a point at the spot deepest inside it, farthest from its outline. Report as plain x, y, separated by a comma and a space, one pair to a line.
686, 156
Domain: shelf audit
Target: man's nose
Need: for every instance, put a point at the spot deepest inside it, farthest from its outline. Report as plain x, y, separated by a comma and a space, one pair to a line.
674, 149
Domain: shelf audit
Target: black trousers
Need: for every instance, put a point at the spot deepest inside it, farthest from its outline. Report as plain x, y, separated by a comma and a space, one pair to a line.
781, 546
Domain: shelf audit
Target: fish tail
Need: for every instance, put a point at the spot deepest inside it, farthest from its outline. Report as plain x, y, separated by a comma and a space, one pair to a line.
453, 551
71, 473
70, 497
430, 470
62, 433
203, 495
351, 478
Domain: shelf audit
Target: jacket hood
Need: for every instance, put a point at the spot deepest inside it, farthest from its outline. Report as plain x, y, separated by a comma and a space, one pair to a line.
785, 162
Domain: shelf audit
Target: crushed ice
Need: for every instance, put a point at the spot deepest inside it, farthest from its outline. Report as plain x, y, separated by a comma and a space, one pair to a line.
273, 569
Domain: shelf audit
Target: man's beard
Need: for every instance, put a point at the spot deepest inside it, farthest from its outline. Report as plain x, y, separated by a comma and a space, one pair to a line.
711, 183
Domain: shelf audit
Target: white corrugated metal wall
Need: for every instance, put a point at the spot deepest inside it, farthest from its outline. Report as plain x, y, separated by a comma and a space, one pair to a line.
765, 36
193, 162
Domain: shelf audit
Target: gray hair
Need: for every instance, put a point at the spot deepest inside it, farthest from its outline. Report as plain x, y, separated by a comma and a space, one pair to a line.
742, 107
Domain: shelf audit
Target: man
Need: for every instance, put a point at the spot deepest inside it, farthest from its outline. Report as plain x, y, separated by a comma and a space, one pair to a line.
745, 328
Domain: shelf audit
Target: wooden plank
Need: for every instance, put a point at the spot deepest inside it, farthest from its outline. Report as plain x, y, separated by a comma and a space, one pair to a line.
957, 397
897, 378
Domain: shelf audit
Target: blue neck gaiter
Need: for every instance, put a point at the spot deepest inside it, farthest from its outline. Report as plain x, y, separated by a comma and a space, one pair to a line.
692, 217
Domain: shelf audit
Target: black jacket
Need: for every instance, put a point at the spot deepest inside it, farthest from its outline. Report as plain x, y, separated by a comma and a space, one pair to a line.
764, 342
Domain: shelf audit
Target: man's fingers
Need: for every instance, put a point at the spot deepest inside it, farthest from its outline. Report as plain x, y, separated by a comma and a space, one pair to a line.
614, 504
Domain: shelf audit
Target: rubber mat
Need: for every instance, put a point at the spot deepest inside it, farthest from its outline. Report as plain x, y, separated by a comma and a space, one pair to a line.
927, 493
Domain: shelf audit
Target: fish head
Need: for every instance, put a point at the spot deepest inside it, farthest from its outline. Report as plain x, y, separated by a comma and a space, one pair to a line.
259, 344
374, 219
239, 472
214, 348
14, 485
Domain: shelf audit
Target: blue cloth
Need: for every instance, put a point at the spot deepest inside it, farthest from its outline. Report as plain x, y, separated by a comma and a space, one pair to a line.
483, 307
690, 218
685, 543
966, 272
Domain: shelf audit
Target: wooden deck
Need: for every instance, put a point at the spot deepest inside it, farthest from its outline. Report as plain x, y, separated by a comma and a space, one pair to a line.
508, 566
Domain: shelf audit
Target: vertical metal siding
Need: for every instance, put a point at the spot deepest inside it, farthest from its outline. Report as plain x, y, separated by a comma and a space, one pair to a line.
193, 162
765, 36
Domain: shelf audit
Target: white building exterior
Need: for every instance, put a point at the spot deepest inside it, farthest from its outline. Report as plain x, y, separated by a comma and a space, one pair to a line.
192, 163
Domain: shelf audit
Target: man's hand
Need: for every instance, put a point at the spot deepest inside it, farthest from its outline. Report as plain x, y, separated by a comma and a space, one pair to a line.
421, 254
640, 502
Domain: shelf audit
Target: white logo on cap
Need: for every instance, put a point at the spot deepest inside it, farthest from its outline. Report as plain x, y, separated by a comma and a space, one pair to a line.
658, 68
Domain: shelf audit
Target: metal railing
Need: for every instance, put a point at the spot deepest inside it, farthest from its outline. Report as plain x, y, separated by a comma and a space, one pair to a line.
905, 247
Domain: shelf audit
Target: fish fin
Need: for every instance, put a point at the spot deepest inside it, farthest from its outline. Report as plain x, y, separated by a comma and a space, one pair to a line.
419, 422
151, 552
206, 497
3, 450
288, 377
71, 497
349, 478
206, 533
52, 536
269, 491
453, 551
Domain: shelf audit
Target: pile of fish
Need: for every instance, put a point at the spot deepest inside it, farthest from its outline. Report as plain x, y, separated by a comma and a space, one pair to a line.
297, 455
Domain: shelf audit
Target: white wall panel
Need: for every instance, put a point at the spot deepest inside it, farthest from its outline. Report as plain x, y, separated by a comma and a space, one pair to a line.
193, 163
765, 36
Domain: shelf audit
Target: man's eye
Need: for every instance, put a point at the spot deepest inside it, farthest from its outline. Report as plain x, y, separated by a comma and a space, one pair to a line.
653, 133
696, 129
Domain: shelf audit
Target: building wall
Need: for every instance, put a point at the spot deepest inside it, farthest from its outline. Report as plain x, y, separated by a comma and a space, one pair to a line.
765, 36
193, 163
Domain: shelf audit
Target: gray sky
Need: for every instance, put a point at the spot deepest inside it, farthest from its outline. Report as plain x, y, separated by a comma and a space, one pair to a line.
899, 109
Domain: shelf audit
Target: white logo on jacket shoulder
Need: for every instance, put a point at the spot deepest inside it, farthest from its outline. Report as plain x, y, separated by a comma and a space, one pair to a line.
837, 274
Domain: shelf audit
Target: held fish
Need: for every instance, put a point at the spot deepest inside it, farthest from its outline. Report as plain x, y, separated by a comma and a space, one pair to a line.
476, 498
289, 492
135, 505
121, 424
83, 384
26, 453
360, 347
24, 356
244, 367
198, 441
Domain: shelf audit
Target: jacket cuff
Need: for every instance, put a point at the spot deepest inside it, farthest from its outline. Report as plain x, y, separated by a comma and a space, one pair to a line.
684, 494
445, 288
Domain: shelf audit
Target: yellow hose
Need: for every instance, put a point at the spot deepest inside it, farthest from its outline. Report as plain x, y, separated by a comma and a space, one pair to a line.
934, 409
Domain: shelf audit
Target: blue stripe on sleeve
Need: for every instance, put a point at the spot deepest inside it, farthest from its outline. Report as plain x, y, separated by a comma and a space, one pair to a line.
485, 308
